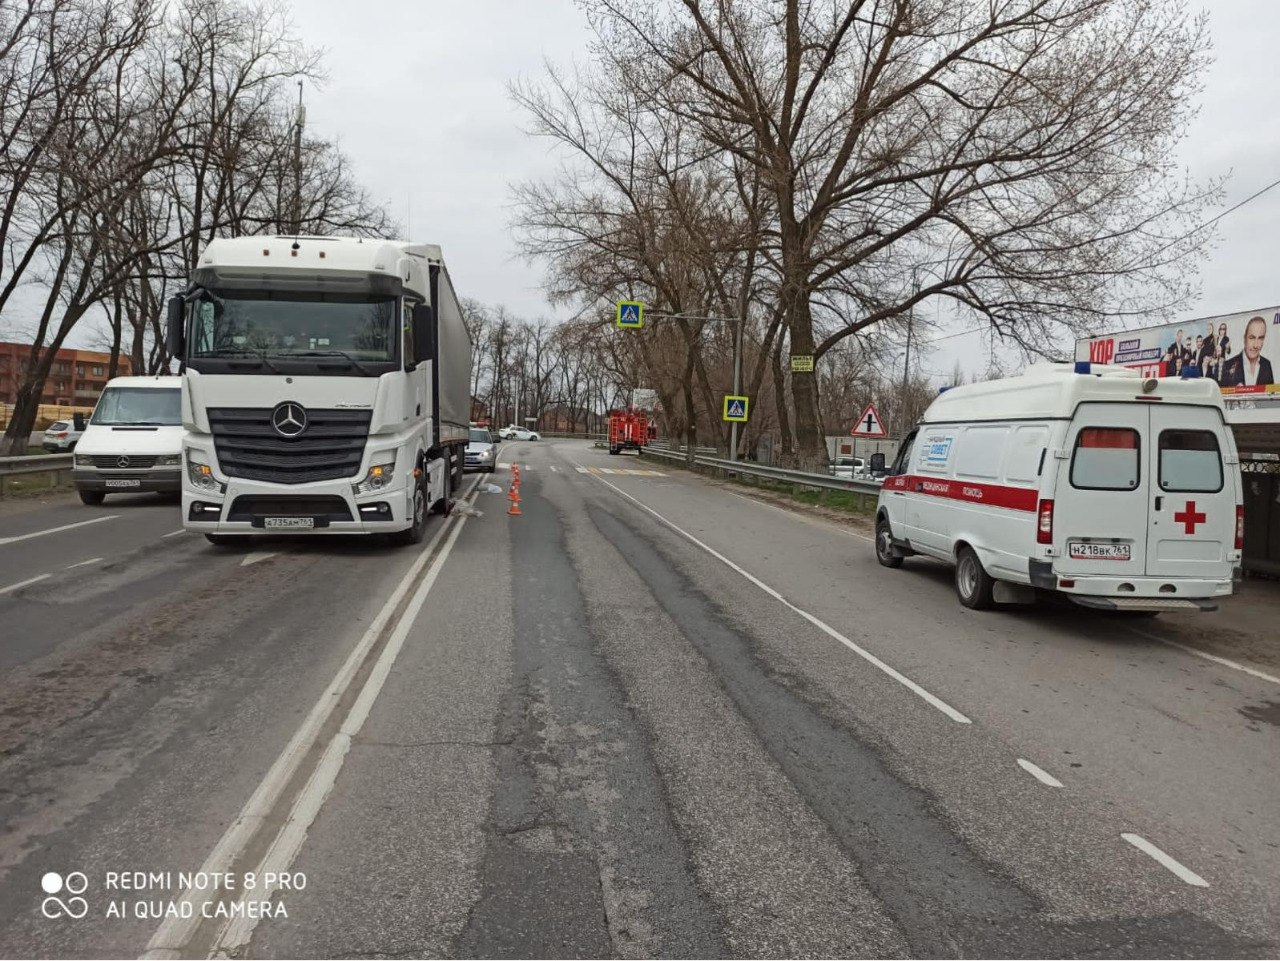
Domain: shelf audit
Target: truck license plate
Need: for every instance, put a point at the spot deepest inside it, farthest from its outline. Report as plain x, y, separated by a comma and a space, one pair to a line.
289, 523
125, 482
1098, 552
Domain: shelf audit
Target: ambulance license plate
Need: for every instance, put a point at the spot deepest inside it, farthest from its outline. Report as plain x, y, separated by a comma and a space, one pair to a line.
288, 523
1098, 552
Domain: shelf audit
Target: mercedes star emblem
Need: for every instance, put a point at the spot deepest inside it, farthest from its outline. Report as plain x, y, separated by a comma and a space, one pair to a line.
289, 419
122, 461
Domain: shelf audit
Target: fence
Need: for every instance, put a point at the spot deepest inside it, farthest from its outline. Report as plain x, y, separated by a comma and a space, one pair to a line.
46, 414
57, 466
866, 492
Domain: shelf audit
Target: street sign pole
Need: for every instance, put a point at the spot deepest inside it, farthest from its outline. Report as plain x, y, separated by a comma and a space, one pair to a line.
737, 384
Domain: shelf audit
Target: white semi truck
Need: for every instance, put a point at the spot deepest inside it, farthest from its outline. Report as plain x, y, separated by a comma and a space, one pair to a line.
325, 388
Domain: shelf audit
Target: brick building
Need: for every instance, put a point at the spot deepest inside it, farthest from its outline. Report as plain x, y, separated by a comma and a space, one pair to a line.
76, 378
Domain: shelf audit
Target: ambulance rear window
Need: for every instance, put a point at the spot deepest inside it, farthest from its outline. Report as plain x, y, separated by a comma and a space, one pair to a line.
1190, 461
1105, 459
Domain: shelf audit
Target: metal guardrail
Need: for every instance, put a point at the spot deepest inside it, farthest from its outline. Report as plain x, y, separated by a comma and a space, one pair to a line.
797, 478
22, 465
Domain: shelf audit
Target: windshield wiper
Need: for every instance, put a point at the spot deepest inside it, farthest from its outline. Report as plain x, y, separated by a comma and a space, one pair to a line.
246, 352
332, 353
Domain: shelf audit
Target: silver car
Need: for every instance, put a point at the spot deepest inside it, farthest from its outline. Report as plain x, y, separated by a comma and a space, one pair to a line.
482, 452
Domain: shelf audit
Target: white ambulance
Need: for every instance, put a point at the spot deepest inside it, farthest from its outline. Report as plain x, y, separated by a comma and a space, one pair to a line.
1122, 493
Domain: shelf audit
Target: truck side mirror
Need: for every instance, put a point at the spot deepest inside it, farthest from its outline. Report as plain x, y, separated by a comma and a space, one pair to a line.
174, 332
877, 464
424, 333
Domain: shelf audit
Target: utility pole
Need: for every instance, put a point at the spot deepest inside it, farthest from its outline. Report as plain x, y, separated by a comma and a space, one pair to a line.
906, 364
737, 381
299, 122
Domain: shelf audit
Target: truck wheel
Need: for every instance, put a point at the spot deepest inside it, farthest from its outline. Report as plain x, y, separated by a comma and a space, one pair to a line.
615, 450
973, 585
885, 553
415, 533
228, 540
92, 498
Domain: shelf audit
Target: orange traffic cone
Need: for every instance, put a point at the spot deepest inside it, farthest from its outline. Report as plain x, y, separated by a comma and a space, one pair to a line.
514, 496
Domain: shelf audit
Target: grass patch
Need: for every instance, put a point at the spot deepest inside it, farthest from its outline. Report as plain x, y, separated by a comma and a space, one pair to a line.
34, 485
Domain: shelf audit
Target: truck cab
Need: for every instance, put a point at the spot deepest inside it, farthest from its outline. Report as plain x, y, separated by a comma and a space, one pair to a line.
324, 390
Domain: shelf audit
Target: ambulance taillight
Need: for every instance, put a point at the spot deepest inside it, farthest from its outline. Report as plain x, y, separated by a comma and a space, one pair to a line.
1044, 523
1239, 527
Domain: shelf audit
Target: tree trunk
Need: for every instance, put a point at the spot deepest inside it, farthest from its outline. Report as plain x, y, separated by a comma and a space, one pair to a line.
785, 444
810, 452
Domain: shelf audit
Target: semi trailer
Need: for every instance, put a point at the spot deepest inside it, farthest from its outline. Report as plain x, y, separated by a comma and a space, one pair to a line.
325, 388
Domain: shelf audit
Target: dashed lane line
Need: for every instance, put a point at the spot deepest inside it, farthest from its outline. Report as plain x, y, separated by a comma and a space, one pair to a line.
1178, 868
174, 533
55, 530
22, 584
1039, 773
92, 560
629, 471
817, 622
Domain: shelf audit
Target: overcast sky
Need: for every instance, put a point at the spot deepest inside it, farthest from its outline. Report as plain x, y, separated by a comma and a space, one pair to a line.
417, 96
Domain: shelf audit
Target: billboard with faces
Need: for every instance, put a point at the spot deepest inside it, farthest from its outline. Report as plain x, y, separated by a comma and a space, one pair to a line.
1241, 352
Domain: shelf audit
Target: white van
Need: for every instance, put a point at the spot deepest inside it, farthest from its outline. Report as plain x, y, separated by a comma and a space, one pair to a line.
1121, 493
133, 441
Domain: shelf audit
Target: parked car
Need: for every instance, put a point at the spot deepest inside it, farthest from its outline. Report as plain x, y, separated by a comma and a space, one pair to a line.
64, 434
482, 452
505, 433
849, 467
133, 441
520, 433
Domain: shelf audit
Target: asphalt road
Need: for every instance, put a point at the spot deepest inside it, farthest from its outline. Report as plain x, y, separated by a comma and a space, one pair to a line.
647, 717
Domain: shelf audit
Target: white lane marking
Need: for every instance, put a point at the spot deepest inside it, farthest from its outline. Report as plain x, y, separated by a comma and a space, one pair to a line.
54, 530
29, 580
255, 557
288, 842
1225, 662
582, 470
174, 932
1181, 870
555, 469
174, 533
92, 560
1039, 773
817, 622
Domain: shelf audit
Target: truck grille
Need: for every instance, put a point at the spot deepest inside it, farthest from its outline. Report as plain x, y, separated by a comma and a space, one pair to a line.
248, 446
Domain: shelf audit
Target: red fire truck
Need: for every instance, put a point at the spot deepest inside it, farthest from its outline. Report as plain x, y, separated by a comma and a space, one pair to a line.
630, 430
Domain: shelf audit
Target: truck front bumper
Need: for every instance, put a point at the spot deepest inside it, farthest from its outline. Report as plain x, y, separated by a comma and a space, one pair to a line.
328, 507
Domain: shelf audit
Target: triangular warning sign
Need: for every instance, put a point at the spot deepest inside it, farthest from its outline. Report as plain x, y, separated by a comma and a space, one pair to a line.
735, 409
869, 424
629, 314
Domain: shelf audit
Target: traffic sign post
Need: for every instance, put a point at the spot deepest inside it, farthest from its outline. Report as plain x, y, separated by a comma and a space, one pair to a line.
630, 314
869, 424
735, 408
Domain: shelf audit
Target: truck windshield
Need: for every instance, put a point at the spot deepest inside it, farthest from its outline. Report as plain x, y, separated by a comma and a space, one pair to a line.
139, 407
328, 328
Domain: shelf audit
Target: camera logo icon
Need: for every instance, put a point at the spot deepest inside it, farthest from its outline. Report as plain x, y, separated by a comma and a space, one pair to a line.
74, 884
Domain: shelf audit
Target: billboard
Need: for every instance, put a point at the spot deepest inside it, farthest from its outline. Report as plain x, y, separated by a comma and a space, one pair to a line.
1239, 351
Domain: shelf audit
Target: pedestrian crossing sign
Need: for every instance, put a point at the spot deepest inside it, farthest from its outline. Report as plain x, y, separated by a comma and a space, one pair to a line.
630, 313
735, 407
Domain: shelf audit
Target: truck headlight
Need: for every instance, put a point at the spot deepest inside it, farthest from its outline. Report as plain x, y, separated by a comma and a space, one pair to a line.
201, 474
83, 460
168, 460
379, 476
